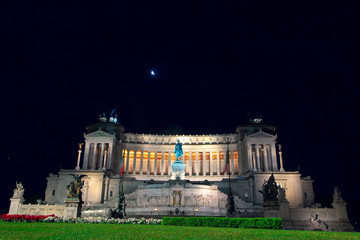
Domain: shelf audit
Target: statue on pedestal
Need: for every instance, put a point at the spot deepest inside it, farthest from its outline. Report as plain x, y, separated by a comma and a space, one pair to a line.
178, 167
337, 196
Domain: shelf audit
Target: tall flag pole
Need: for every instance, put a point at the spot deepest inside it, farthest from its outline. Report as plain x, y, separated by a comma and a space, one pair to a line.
231, 203
121, 197
227, 162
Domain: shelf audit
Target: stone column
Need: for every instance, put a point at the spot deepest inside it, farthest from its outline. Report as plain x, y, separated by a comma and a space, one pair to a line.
134, 162
105, 158
249, 153
148, 164
232, 162
141, 162
266, 161
190, 164
257, 149
169, 164
162, 163
110, 153
155, 163
102, 147
211, 163
197, 164
78, 160
281, 160
218, 163
203, 163
254, 157
273, 157
127, 161
86, 156
94, 156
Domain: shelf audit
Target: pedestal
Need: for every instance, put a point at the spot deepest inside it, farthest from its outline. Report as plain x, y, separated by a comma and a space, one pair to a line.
284, 210
72, 208
271, 209
15, 204
178, 170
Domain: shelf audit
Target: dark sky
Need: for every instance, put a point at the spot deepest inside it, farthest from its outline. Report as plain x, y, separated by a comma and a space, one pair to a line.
297, 64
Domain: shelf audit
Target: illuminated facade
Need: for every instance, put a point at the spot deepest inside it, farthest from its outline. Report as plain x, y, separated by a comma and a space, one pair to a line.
145, 161
251, 152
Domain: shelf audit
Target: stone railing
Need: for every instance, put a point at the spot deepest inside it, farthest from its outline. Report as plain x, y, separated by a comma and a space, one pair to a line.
184, 139
96, 213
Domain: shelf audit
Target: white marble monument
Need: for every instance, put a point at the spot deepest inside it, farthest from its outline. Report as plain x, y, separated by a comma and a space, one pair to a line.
155, 185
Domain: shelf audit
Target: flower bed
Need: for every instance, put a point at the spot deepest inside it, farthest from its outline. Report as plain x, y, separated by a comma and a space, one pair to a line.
24, 218
97, 220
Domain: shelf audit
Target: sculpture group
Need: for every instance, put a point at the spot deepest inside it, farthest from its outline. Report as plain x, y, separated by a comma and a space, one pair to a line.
74, 188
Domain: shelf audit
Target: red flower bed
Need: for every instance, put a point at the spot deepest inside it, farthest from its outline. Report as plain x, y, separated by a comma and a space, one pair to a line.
25, 218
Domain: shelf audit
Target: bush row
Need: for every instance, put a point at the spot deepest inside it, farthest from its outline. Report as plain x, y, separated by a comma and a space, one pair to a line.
261, 223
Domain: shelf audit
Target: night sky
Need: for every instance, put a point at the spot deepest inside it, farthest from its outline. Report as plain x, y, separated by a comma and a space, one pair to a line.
296, 64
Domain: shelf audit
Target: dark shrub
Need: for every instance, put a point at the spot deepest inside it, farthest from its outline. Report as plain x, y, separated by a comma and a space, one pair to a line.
261, 223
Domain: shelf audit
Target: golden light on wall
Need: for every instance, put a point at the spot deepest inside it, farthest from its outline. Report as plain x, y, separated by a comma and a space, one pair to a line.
145, 161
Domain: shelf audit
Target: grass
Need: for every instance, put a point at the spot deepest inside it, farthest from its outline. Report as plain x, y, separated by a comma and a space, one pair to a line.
10, 230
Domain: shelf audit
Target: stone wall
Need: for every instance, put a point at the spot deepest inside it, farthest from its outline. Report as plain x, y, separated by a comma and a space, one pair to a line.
321, 219
40, 209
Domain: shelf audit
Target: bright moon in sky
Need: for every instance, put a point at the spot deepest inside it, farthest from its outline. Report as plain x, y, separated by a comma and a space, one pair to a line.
152, 73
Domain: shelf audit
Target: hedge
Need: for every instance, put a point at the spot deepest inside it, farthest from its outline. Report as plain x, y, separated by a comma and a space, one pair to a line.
260, 223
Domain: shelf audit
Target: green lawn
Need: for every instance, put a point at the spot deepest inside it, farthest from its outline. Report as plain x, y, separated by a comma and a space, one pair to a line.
9, 230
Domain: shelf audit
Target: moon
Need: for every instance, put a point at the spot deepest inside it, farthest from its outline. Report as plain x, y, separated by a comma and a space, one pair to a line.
152, 73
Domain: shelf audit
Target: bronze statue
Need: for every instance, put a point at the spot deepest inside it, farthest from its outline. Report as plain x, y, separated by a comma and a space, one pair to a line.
178, 151
74, 188
270, 189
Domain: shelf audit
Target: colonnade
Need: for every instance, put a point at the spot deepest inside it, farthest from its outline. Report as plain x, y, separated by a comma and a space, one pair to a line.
210, 163
262, 157
97, 156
